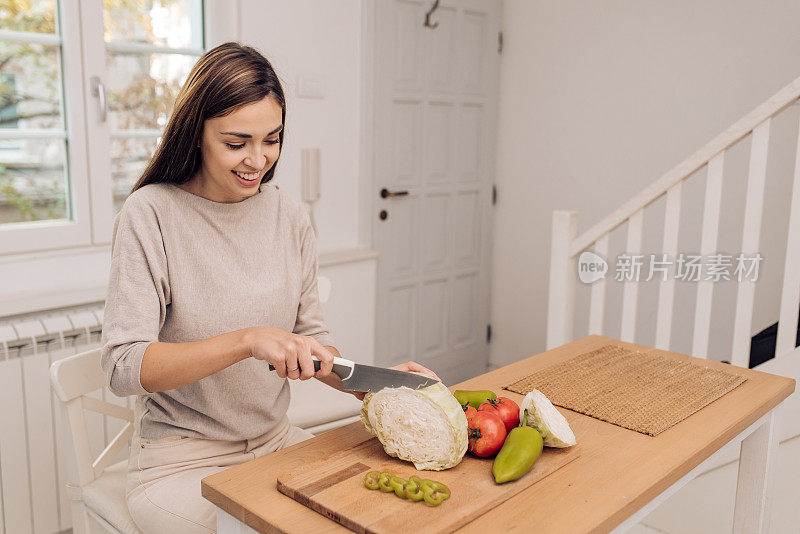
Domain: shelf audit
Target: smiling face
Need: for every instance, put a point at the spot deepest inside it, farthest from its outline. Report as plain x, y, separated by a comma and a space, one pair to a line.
237, 151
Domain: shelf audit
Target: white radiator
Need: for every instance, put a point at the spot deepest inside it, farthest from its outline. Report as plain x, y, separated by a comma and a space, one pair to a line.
35, 442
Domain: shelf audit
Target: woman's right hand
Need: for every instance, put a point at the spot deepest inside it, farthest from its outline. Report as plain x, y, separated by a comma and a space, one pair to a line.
289, 353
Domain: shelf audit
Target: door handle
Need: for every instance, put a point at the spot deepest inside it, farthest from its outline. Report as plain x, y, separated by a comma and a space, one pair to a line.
386, 193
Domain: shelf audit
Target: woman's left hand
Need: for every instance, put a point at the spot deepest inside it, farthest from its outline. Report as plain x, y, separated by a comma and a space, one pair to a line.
408, 367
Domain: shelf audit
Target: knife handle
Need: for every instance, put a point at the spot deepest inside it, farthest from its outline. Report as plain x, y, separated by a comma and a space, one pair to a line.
341, 366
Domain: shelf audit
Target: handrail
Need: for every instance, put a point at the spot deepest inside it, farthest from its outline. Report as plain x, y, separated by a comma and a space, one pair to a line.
780, 100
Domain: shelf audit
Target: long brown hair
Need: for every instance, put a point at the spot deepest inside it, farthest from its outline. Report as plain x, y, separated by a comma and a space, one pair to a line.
223, 80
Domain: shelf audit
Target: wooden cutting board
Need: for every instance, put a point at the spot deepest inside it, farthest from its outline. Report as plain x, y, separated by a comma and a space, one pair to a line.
334, 487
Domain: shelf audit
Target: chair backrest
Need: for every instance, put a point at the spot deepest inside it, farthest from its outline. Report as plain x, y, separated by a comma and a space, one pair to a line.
73, 379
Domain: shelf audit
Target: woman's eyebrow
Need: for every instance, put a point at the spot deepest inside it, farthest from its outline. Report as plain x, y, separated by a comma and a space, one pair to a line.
248, 136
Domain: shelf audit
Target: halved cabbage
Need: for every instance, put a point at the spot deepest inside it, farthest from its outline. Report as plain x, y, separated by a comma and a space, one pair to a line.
544, 417
426, 426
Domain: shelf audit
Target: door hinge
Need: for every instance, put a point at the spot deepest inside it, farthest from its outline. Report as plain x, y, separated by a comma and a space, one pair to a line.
488, 333
499, 42
494, 194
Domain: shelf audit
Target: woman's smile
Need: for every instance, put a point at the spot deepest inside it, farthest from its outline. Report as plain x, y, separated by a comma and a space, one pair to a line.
248, 179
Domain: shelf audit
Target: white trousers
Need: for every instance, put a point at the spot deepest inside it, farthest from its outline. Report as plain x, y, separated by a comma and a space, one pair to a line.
163, 480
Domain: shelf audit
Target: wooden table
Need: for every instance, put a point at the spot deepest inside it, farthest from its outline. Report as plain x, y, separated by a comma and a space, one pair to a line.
619, 478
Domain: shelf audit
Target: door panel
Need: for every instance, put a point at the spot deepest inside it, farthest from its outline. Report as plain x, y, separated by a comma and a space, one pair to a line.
441, 50
466, 235
402, 256
406, 141
435, 237
465, 295
434, 122
473, 44
469, 142
408, 46
433, 318
402, 322
438, 140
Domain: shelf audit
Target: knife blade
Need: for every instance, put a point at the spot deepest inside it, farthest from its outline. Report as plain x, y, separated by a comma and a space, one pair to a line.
362, 377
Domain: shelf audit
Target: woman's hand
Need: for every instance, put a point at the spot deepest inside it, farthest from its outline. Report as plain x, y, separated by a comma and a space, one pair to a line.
289, 353
409, 367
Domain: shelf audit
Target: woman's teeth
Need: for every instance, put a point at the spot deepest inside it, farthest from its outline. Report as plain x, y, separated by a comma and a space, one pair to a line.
249, 177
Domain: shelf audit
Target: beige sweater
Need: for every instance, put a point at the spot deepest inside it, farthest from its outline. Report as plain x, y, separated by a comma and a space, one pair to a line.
185, 268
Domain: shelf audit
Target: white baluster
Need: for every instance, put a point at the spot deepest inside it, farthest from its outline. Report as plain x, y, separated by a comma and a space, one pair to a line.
790, 293
708, 244
598, 297
561, 301
630, 291
750, 236
666, 289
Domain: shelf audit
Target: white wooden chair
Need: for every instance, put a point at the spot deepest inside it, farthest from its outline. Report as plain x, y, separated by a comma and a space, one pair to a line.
99, 498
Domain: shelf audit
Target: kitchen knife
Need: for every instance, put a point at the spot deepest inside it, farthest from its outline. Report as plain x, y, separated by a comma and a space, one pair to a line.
360, 377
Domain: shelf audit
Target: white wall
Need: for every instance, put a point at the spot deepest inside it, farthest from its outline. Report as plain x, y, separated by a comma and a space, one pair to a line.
319, 41
597, 100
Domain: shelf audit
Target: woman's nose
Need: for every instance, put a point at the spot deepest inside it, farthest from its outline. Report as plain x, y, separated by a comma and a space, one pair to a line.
256, 159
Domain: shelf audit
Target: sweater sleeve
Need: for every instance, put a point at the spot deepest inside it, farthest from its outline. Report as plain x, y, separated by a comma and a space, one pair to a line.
137, 297
310, 321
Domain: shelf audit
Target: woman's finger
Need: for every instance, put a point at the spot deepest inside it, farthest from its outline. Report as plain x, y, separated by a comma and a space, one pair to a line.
305, 361
415, 367
293, 361
422, 369
324, 356
280, 367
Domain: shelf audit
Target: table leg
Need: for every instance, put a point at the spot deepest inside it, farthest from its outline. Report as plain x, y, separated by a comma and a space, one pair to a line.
756, 473
227, 524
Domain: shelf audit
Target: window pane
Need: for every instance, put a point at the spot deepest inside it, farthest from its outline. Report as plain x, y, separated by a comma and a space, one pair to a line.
28, 15
32, 180
172, 23
30, 86
142, 88
129, 157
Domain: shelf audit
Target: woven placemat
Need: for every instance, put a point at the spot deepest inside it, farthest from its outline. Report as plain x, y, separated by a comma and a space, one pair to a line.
643, 391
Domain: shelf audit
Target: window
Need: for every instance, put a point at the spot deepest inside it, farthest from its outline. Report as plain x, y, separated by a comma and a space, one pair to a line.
150, 48
33, 137
86, 88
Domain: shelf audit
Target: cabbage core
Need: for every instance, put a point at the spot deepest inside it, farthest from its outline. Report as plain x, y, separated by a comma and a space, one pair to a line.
426, 426
545, 418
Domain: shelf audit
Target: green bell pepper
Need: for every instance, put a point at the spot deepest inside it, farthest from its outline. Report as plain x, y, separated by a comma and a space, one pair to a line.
522, 448
473, 398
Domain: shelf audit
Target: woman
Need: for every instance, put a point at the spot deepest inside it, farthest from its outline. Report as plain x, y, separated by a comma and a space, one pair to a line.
213, 276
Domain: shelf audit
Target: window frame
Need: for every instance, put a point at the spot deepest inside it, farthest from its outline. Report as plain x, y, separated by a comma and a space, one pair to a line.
53, 234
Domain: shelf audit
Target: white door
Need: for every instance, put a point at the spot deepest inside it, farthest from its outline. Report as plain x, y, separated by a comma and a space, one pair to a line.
434, 134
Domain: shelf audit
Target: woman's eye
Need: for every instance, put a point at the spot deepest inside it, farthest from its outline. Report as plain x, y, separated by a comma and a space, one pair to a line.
272, 141
235, 147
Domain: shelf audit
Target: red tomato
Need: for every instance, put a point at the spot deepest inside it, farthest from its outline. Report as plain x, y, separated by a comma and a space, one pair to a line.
487, 433
503, 407
469, 411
